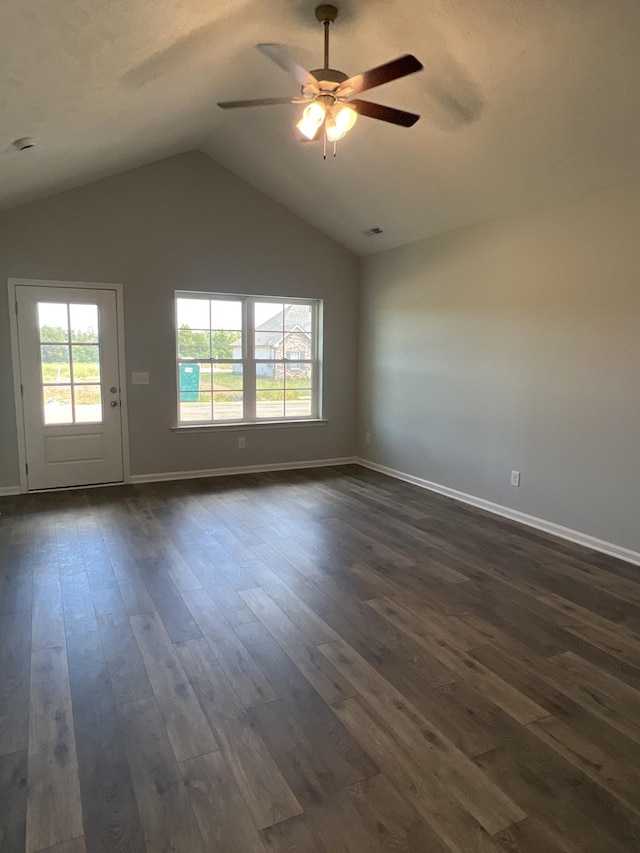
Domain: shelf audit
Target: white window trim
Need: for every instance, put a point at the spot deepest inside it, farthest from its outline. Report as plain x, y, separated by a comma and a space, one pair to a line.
249, 362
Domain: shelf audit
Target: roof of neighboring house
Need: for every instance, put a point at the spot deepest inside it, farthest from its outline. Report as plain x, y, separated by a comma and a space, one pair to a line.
296, 319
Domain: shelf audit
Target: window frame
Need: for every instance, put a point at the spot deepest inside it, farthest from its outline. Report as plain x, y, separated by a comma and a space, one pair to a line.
250, 363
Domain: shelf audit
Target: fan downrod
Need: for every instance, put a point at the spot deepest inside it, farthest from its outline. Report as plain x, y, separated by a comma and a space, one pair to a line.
325, 12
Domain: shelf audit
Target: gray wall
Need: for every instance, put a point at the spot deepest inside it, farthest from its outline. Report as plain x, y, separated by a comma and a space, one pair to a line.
514, 345
185, 223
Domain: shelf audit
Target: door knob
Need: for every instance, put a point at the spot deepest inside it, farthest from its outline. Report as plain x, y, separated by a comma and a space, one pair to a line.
114, 403
113, 389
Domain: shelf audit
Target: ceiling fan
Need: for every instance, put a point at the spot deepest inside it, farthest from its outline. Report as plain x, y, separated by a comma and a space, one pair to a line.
328, 93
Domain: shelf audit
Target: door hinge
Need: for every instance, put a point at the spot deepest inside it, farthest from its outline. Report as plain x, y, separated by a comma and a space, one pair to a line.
26, 467
16, 306
22, 390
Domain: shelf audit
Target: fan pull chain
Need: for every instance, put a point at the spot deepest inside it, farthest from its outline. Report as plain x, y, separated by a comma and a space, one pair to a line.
324, 145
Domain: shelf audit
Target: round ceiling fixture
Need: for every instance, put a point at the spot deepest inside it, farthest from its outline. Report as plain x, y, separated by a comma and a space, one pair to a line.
24, 144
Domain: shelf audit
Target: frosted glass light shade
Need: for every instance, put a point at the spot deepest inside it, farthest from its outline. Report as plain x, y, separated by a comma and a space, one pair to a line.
314, 113
307, 128
344, 117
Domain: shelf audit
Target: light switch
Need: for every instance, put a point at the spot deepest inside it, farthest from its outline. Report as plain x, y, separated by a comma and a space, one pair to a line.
139, 378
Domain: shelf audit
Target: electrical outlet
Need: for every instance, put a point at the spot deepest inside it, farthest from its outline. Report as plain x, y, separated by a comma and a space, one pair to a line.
242, 442
515, 478
367, 438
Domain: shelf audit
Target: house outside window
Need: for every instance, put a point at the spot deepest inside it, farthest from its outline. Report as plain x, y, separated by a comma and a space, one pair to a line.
247, 359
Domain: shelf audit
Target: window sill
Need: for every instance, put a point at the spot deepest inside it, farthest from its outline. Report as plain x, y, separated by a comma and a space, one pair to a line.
183, 429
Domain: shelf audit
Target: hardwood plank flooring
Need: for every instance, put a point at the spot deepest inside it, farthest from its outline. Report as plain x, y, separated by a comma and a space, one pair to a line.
323, 661
54, 811
13, 801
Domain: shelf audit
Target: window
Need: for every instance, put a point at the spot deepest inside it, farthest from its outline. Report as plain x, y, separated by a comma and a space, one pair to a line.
244, 359
70, 363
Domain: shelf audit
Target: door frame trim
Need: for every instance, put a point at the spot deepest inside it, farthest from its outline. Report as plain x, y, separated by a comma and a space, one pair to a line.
12, 283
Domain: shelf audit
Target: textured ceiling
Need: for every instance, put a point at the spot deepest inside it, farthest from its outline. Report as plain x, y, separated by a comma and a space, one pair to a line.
523, 102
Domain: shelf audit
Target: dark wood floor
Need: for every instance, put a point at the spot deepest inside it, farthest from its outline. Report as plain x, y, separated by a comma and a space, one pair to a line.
310, 661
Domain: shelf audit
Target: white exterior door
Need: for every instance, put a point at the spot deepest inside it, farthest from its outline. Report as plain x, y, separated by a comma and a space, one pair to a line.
70, 385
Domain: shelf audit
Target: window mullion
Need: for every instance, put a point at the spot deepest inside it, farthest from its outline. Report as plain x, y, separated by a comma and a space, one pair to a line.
249, 361
316, 356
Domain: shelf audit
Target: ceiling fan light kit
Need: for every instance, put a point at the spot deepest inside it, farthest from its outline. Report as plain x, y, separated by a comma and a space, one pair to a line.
328, 93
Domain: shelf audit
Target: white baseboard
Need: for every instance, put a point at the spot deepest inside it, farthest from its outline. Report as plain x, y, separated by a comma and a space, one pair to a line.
9, 490
576, 536
248, 469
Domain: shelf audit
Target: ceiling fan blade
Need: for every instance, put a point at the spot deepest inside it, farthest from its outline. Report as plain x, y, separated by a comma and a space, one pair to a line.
255, 102
401, 117
393, 70
280, 55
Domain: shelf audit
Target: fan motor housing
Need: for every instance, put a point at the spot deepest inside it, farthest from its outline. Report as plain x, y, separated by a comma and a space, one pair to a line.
331, 75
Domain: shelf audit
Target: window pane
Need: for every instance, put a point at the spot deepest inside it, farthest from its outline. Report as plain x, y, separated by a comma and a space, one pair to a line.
227, 405
205, 369
226, 344
269, 317
53, 321
298, 405
54, 360
194, 343
195, 407
297, 345
226, 315
84, 323
193, 313
298, 374
270, 404
189, 375
86, 363
57, 404
227, 377
269, 374
88, 404
267, 344
297, 317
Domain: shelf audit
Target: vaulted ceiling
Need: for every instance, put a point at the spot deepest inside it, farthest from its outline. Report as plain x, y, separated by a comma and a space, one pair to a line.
523, 102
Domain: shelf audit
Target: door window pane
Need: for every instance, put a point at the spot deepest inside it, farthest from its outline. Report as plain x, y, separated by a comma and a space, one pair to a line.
53, 322
57, 404
84, 323
87, 404
54, 362
86, 363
